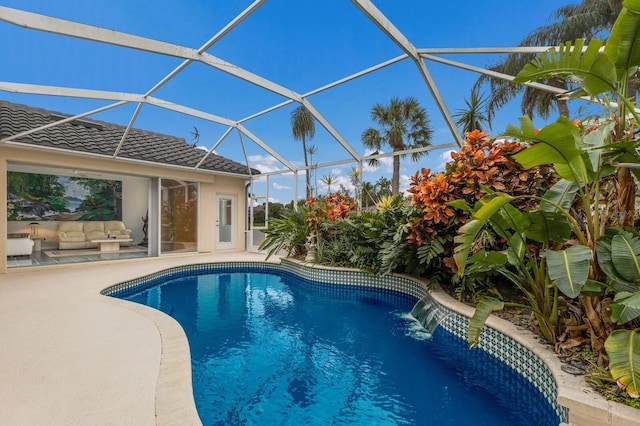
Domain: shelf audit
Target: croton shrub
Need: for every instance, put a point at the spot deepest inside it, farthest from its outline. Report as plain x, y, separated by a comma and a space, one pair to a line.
482, 165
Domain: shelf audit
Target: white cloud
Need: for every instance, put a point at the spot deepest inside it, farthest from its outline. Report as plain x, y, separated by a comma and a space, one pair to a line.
405, 182
276, 185
266, 164
444, 158
385, 164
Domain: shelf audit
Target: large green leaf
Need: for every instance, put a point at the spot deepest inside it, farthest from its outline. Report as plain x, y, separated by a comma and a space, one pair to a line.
625, 255
595, 141
603, 249
623, 45
512, 225
476, 323
483, 261
569, 268
594, 288
548, 226
625, 307
459, 204
469, 231
561, 193
595, 71
555, 143
623, 348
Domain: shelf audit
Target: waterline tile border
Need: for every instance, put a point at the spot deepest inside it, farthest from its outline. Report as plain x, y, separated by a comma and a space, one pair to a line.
501, 346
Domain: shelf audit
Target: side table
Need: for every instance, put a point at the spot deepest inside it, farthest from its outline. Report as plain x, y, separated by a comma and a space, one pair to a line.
37, 243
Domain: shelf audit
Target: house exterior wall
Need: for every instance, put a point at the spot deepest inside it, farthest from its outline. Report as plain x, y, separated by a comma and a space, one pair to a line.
135, 180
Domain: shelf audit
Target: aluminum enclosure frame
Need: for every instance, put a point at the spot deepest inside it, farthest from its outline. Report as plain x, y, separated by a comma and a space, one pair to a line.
420, 57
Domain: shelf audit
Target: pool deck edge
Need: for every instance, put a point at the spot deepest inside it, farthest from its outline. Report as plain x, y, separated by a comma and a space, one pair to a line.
586, 406
73, 356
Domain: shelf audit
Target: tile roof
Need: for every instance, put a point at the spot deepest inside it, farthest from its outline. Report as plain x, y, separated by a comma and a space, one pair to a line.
98, 137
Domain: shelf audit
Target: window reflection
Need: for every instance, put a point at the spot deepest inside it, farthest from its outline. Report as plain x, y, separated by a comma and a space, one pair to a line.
179, 221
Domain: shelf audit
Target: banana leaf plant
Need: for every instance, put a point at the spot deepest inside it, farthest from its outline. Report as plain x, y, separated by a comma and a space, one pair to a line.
593, 194
619, 257
527, 235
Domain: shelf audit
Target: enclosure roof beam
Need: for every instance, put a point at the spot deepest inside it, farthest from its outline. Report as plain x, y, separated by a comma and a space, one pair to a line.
213, 148
36, 89
482, 50
227, 28
93, 33
64, 120
266, 147
387, 27
490, 73
128, 129
329, 86
325, 123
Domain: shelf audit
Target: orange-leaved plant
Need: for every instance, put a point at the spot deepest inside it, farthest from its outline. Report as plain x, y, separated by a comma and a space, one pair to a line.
481, 166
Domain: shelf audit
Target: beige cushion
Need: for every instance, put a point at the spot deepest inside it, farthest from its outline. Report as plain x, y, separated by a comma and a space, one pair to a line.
71, 236
93, 227
96, 235
116, 228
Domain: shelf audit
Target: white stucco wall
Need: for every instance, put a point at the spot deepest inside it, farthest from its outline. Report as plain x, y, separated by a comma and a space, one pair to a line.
135, 179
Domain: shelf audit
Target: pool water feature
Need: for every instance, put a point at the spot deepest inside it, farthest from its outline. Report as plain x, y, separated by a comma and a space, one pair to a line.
272, 348
428, 313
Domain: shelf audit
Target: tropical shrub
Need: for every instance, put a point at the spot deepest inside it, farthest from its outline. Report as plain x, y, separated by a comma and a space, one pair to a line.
483, 165
289, 233
594, 265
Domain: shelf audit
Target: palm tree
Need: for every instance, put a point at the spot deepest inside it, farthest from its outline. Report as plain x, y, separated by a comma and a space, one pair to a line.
583, 20
303, 127
328, 180
404, 125
473, 117
311, 150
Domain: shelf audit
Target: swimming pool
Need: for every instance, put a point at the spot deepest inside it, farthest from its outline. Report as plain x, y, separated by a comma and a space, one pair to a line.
272, 348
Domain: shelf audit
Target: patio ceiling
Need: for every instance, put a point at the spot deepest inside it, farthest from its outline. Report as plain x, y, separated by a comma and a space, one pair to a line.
421, 58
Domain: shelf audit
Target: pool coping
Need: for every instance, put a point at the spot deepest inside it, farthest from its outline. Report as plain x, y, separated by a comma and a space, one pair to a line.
174, 394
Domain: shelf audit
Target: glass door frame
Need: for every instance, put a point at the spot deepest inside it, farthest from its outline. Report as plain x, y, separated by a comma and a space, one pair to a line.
229, 218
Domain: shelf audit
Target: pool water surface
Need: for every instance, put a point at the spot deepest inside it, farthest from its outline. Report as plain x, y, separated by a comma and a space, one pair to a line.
273, 348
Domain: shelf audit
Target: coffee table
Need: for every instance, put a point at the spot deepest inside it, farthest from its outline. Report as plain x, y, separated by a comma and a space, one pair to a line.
37, 243
110, 245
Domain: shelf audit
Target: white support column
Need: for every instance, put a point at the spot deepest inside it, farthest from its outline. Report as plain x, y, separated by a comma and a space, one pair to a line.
3, 218
295, 190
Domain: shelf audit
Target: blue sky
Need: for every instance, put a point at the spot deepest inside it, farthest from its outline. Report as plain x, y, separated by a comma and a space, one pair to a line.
302, 45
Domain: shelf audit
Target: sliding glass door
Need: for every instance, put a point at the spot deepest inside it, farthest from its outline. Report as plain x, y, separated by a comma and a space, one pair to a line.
179, 216
225, 223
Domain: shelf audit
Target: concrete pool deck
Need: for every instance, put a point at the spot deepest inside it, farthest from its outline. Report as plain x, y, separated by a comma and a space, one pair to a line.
72, 356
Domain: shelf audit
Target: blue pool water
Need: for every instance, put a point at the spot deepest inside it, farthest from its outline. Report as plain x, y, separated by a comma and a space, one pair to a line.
275, 349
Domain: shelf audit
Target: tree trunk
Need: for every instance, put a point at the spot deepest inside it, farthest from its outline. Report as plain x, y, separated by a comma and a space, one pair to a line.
306, 172
626, 197
395, 181
563, 108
